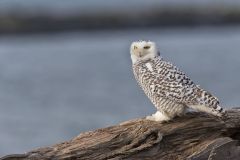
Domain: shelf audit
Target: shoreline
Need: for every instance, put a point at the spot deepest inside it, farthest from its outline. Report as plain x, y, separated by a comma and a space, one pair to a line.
17, 22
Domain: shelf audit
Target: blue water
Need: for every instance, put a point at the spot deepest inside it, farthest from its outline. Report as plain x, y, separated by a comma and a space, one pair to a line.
52, 87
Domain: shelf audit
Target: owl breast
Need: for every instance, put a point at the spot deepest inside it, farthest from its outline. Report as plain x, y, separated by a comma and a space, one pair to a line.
151, 78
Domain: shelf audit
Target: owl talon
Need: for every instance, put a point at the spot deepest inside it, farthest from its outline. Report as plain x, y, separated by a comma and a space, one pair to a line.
158, 116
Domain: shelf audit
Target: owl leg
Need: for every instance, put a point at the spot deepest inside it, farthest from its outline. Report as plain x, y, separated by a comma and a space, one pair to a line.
159, 117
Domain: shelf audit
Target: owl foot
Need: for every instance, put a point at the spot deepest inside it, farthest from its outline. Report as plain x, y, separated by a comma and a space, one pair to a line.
159, 117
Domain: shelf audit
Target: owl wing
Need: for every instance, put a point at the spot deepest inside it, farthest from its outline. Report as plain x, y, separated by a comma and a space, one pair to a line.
171, 83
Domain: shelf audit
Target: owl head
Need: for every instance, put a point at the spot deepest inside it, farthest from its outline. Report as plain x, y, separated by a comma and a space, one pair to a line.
143, 50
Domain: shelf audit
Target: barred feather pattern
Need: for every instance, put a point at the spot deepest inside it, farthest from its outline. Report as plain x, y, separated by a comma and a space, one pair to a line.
170, 90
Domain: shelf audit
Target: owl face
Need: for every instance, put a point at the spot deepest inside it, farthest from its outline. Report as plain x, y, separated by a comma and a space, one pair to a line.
142, 50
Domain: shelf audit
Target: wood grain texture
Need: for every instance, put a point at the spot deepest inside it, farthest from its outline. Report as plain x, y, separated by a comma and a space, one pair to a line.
196, 136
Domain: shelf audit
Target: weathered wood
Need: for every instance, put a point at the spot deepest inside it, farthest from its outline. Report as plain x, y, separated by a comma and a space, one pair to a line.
195, 136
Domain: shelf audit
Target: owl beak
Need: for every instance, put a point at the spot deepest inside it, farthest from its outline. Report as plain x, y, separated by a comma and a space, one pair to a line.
139, 54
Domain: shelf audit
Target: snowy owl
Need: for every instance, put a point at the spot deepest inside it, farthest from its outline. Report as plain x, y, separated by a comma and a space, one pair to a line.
168, 88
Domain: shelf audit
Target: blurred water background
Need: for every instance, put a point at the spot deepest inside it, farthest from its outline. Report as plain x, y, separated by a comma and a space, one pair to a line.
56, 83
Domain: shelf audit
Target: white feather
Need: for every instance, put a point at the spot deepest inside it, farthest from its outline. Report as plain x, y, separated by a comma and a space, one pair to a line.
159, 117
149, 66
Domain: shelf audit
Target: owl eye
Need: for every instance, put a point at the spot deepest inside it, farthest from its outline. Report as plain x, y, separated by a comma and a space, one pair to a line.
135, 47
146, 47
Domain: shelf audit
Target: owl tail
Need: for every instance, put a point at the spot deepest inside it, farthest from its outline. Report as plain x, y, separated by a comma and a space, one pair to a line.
218, 111
221, 111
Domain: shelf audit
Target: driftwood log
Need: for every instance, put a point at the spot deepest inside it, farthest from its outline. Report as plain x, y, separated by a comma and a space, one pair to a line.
195, 136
